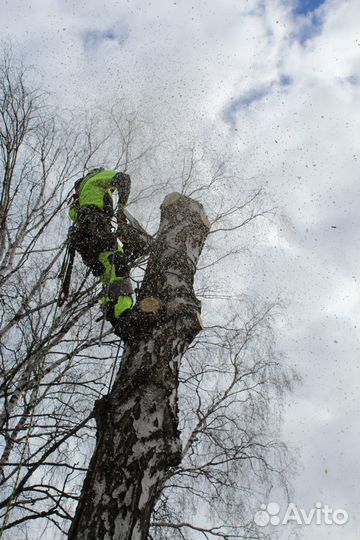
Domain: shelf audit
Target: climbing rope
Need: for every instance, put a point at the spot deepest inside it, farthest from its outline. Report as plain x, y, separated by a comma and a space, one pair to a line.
115, 364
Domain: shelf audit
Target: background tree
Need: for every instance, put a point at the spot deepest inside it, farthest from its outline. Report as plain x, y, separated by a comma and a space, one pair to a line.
52, 369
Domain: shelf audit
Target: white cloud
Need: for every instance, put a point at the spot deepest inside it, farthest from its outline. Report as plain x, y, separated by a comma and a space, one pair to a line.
294, 107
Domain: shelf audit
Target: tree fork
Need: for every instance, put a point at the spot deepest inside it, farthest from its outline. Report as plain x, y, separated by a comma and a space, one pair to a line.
137, 423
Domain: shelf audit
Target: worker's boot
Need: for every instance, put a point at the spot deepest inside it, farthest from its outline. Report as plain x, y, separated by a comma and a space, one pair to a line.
117, 301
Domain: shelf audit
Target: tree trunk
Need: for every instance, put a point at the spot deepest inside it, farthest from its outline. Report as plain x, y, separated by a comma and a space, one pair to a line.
137, 423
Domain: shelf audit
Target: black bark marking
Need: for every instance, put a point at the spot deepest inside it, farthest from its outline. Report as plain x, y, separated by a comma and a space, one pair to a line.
137, 424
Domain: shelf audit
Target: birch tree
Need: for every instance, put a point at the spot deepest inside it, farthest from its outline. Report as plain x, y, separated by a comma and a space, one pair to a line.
170, 432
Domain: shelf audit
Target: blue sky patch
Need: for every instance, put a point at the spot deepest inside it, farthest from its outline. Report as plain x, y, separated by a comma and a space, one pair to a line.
94, 38
353, 79
285, 80
253, 96
310, 21
303, 7
310, 29
243, 102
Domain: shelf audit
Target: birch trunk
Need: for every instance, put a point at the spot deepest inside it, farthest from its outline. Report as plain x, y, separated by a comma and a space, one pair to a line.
137, 423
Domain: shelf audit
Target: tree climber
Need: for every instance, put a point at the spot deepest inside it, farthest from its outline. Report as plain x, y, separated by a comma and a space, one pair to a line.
92, 211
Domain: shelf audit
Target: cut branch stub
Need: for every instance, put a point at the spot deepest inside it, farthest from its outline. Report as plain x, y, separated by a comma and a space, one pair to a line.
150, 305
137, 424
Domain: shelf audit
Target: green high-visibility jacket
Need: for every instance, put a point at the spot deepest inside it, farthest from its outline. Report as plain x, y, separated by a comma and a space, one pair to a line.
93, 191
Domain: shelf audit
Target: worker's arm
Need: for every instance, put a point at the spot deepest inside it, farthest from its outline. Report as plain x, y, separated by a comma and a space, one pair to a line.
136, 242
122, 183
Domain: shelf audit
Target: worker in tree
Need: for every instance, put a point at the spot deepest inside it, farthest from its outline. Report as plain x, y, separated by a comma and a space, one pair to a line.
92, 210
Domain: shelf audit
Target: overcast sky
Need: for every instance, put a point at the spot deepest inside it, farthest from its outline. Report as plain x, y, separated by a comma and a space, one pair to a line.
277, 81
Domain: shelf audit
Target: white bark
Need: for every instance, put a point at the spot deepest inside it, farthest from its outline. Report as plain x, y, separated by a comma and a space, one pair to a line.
137, 424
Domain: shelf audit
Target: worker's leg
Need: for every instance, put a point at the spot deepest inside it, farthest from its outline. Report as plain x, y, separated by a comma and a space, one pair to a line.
116, 282
100, 251
93, 235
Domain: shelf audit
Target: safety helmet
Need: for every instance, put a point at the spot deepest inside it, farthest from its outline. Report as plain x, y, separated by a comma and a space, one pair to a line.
91, 172
77, 184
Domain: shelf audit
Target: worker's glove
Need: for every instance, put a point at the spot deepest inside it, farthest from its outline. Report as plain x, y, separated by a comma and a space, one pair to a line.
122, 183
121, 177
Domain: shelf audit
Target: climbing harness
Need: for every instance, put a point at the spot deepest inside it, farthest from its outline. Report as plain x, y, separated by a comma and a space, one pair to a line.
66, 269
115, 363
